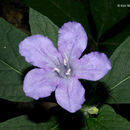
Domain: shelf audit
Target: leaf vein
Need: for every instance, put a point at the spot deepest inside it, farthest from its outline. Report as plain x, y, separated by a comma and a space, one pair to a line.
17, 71
120, 82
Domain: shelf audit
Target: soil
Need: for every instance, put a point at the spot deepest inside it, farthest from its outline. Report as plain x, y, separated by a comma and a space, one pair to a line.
16, 13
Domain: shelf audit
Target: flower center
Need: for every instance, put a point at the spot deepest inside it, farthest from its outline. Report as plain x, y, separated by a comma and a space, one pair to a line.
63, 70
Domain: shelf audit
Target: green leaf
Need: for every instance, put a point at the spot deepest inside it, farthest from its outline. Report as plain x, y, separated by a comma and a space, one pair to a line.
40, 24
12, 65
107, 119
104, 19
106, 14
23, 123
118, 79
61, 11
112, 42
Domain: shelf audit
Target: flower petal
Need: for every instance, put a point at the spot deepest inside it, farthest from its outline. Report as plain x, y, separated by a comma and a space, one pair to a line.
39, 51
70, 94
92, 66
72, 40
39, 83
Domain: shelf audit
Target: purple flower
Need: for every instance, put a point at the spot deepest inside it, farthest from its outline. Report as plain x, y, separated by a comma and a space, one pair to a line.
59, 70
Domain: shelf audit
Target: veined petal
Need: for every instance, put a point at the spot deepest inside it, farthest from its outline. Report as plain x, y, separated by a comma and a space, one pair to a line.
92, 66
39, 51
72, 40
70, 94
39, 83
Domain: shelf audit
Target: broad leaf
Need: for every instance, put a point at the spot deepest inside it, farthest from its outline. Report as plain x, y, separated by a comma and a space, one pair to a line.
99, 18
61, 11
12, 65
23, 123
118, 79
113, 39
106, 14
107, 119
40, 24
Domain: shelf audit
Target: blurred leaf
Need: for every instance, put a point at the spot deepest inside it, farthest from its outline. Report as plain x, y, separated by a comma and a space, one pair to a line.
113, 39
106, 14
118, 79
40, 24
104, 23
23, 123
12, 65
61, 11
107, 119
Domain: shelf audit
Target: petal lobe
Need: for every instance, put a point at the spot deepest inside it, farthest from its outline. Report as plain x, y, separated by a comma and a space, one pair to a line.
39, 51
92, 66
39, 83
70, 94
72, 40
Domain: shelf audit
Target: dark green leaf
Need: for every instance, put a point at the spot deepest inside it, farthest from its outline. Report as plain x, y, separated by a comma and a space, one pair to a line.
12, 65
118, 79
106, 14
61, 11
23, 123
107, 119
113, 39
100, 21
40, 24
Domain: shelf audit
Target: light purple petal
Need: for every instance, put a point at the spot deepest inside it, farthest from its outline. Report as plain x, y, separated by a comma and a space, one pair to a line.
92, 66
39, 83
72, 40
70, 94
39, 51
